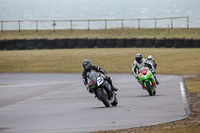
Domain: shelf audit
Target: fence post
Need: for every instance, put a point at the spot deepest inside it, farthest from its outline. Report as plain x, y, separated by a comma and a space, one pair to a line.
88, 24
105, 24
54, 25
155, 23
187, 22
71, 24
122, 24
19, 26
2, 26
138, 24
171, 23
36, 25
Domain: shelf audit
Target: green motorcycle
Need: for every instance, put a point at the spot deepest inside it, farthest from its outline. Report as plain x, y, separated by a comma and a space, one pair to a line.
147, 81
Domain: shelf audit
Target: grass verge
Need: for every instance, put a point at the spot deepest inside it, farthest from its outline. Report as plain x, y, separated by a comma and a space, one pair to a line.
109, 33
115, 60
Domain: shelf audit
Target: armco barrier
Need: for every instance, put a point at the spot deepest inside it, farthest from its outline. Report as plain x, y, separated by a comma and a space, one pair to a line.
178, 43
91, 43
119, 43
30, 44
149, 43
51, 44
21, 44
129, 43
71, 43
139, 42
10, 44
187, 43
2, 44
61, 43
196, 43
110, 43
159, 43
169, 43
101, 43
41, 43
81, 43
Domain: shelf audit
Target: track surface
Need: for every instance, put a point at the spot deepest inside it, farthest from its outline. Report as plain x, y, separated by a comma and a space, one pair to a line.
59, 103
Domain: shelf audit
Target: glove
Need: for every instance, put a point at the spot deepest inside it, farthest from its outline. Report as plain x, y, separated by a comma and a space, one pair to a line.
137, 78
88, 88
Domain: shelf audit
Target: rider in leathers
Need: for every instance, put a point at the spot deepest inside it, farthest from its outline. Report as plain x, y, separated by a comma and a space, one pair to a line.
139, 63
88, 67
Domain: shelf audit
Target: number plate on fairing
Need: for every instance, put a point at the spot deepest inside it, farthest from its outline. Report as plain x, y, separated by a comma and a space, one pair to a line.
100, 81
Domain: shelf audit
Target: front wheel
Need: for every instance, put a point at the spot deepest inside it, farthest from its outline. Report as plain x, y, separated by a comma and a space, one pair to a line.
115, 101
148, 86
103, 98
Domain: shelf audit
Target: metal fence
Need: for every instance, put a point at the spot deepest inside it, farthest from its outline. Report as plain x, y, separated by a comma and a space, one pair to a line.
36, 23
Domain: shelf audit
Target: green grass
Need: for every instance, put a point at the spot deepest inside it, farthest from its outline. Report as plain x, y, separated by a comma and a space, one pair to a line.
110, 33
114, 60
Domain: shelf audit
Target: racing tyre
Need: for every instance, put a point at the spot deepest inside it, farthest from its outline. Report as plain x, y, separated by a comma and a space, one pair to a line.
103, 98
115, 102
148, 86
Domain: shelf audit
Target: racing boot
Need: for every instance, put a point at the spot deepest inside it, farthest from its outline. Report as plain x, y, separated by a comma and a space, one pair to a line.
156, 80
112, 86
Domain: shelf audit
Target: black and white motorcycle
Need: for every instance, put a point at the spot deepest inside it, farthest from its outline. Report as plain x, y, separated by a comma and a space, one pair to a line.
102, 89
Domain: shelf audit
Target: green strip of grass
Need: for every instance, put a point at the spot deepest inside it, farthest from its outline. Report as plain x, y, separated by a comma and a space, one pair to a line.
115, 60
110, 33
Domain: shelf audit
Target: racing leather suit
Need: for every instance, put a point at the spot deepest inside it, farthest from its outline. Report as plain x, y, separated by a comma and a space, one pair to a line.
98, 69
136, 67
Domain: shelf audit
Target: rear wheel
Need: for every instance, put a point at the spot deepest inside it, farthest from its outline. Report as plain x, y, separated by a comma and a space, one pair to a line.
103, 98
148, 86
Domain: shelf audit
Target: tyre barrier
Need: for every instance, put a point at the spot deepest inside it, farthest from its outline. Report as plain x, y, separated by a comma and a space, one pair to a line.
61, 43
196, 43
110, 43
159, 43
139, 42
10, 44
119, 43
22, 44
41, 43
51, 44
149, 43
71, 43
169, 43
129, 43
178, 43
91, 43
187, 43
2, 44
30, 44
81, 43
101, 43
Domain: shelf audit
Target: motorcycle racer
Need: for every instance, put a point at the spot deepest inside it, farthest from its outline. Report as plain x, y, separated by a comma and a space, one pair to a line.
139, 63
153, 62
88, 67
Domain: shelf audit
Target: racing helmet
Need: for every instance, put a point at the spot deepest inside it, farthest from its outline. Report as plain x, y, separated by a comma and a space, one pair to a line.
150, 57
87, 65
138, 58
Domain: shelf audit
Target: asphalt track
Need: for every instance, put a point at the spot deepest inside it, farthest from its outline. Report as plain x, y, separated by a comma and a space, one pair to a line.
59, 103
